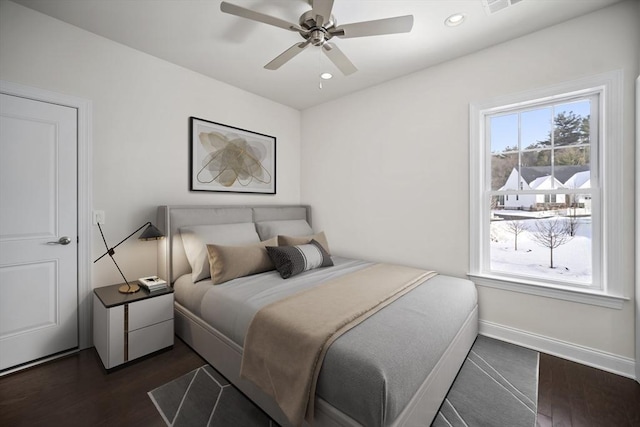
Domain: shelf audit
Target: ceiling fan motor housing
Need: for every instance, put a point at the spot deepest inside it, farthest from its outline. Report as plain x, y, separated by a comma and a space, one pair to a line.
318, 35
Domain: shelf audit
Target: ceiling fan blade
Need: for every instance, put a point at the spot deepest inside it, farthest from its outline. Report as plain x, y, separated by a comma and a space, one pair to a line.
339, 59
399, 24
322, 9
288, 54
257, 16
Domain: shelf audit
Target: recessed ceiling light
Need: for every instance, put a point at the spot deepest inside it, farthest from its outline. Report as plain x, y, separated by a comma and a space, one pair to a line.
326, 76
455, 20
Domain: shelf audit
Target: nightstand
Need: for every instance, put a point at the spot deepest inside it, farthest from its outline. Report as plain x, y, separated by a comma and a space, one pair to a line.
129, 326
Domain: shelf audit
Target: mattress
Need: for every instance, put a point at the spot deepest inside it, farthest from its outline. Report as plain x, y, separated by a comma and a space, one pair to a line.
372, 371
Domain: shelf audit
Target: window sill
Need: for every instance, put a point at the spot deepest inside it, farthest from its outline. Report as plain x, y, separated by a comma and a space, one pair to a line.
582, 296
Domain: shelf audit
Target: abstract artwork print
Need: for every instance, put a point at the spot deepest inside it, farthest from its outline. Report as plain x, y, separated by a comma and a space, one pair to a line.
230, 159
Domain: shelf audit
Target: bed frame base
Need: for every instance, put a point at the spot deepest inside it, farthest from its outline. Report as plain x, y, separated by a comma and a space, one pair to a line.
226, 357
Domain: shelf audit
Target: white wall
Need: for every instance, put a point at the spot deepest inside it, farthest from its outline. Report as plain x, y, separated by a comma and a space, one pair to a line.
141, 110
386, 169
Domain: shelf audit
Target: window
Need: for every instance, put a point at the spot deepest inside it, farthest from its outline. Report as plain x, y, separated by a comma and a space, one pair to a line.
545, 191
541, 152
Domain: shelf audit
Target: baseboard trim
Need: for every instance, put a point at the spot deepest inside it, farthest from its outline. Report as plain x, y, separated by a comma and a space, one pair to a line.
37, 362
619, 365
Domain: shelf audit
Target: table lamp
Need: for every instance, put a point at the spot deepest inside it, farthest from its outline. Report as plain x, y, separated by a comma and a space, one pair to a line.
150, 233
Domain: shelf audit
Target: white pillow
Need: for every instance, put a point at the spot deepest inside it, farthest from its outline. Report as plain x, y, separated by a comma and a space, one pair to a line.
196, 237
294, 227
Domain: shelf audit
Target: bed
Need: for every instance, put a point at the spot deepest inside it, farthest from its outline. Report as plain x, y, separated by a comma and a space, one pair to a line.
393, 369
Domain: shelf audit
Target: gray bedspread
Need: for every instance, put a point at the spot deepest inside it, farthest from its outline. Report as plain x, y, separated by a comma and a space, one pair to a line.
372, 371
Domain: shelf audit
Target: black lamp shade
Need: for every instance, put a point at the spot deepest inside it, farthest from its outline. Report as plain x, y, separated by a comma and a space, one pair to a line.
151, 233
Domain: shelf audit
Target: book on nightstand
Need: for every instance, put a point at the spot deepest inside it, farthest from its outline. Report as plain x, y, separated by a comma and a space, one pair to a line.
152, 283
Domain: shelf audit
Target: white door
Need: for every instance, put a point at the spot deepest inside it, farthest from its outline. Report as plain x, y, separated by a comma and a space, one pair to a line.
38, 230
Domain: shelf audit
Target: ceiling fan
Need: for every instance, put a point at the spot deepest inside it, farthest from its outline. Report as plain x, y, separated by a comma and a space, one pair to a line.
317, 26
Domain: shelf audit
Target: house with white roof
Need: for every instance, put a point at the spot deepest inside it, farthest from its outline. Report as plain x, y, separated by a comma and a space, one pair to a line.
543, 178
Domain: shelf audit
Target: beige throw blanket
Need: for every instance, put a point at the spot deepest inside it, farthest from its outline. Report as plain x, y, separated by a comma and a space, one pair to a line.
287, 340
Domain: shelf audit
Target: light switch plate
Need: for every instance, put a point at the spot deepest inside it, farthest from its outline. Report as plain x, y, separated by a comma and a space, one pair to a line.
98, 217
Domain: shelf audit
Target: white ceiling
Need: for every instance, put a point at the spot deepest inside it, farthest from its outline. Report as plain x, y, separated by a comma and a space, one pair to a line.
197, 36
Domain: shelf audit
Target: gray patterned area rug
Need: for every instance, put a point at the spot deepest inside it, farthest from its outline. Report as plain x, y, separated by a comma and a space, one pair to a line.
203, 397
496, 386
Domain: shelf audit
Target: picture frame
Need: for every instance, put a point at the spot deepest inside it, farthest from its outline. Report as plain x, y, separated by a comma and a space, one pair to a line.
225, 158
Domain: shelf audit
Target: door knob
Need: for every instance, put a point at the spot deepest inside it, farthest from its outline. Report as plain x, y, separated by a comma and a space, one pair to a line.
64, 240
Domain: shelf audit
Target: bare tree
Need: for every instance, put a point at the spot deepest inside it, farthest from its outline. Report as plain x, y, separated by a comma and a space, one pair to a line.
493, 203
551, 234
572, 218
516, 226
573, 223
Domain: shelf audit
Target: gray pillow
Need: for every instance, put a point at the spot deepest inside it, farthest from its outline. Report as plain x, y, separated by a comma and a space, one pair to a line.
294, 227
196, 237
292, 260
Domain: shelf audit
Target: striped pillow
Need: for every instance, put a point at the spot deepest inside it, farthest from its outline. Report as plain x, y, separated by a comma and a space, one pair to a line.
292, 260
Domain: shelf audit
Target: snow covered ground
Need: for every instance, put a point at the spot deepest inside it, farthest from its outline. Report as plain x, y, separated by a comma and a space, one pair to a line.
571, 261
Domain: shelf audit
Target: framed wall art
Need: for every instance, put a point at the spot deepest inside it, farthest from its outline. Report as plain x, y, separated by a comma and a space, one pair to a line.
229, 159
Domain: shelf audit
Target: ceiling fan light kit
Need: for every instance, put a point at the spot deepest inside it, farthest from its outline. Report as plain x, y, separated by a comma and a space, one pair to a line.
317, 26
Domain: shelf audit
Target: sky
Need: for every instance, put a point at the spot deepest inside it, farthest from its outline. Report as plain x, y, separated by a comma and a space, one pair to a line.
536, 124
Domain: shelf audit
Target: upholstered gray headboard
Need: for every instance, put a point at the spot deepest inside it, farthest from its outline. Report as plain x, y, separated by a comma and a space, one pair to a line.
172, 261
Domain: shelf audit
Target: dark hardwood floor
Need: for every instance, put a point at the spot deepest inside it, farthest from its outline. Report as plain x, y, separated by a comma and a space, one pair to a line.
575, 395
76, 391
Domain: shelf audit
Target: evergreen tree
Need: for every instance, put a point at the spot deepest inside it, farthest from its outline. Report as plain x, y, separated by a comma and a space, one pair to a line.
569, 129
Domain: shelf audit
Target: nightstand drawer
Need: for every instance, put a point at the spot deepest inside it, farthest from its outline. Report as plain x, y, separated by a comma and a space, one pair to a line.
152, 338
150, 311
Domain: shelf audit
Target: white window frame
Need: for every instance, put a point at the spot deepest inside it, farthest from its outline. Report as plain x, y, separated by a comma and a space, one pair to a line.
608, 87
